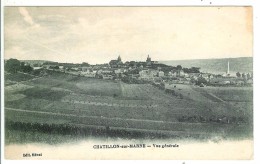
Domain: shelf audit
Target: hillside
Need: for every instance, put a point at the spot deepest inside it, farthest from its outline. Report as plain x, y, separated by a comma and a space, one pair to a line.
242, 64
35, 61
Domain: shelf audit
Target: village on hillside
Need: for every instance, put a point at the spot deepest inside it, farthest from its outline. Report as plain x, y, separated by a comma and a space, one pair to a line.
138, 72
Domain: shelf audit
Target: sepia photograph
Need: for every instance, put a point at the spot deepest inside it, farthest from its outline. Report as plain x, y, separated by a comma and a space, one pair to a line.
113, 82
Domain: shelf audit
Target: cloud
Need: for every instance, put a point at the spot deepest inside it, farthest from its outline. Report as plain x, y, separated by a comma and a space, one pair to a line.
97, 35
27, 17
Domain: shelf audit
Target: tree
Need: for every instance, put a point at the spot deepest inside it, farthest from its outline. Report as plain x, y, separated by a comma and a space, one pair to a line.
12, 65
248, 75
179, 67
134, 71
22, 64
36, 65
243, 75
195, 70
191, 70
186, 70
201, 80
27, 69
85, 64
132, 63
238, 74
138, 64
56, 67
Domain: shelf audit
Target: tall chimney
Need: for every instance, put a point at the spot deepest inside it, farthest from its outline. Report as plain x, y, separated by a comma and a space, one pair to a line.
228, 68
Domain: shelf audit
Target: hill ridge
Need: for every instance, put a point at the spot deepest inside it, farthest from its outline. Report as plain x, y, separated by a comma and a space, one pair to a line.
217, 65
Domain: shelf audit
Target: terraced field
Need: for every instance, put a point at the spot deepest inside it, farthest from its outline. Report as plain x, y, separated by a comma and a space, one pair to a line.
66, 100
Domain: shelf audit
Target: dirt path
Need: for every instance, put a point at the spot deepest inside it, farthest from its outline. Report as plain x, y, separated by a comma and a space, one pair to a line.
74, 115
216, 97
207, 95
109, 104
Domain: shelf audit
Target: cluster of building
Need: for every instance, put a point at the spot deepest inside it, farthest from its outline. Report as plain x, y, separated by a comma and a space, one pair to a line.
149, 71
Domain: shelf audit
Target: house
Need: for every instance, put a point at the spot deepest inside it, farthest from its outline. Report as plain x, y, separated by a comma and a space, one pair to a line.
160, 74
175, 74
240, 82
75, 68
147, 74
108, 77
116, 63
180, 73
225, 82
249, 81
85, 69
186, 75
106, 71
88, 74
170, 74
37, 68
220, 81
117, 71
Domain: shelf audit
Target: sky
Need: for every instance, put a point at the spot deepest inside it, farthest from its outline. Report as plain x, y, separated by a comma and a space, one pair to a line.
99, 34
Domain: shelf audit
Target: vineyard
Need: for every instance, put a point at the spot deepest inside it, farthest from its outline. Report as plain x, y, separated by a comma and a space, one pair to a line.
62, 101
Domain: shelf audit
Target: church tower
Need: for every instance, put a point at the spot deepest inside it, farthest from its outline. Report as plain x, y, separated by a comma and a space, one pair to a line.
148, 60
119, 59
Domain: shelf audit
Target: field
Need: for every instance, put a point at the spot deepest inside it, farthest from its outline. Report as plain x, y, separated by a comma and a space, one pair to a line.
61, 106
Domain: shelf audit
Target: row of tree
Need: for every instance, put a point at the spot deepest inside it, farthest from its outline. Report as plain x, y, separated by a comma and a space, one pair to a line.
243, 75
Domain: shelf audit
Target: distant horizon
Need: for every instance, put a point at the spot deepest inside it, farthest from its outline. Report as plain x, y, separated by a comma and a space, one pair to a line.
128, 60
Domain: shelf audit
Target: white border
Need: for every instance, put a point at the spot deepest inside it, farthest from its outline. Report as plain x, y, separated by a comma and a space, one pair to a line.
128, 2
256, 53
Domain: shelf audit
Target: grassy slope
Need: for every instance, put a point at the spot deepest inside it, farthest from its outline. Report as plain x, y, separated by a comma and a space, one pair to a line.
18, 77
77, 96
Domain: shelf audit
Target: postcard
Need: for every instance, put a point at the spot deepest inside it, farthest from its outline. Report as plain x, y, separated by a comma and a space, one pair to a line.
114, 82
